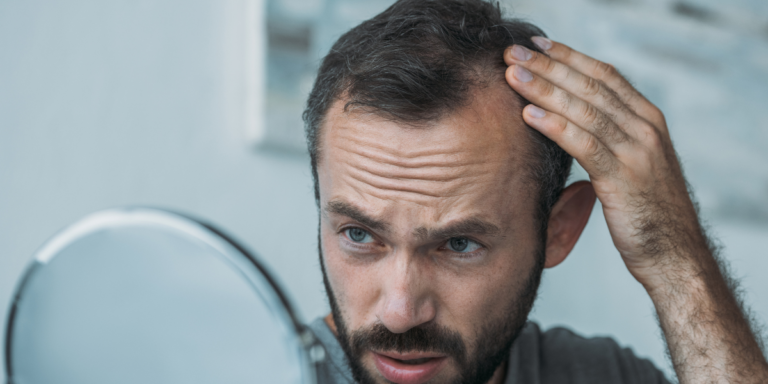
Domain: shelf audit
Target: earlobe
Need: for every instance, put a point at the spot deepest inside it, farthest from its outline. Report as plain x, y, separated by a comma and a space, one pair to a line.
566, 222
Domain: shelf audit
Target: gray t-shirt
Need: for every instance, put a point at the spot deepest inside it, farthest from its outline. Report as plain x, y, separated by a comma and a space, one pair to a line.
557, 356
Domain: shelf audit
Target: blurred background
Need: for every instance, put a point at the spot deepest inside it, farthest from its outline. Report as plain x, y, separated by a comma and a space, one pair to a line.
196, 106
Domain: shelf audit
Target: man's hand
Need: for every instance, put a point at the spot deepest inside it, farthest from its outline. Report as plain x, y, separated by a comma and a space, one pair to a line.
622, 141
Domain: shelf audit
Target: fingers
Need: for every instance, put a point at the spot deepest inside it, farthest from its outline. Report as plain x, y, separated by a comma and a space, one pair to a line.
606, 73
553, 98
585, 147
571, 80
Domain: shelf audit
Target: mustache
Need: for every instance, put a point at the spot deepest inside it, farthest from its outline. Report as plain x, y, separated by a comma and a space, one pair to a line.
428, 337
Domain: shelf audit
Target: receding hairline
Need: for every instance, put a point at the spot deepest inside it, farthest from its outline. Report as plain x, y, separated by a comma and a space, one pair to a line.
514, 99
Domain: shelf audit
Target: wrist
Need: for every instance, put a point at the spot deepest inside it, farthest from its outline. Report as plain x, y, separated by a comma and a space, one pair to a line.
677, 274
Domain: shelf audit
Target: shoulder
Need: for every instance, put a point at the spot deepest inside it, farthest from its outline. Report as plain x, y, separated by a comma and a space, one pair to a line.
559, 355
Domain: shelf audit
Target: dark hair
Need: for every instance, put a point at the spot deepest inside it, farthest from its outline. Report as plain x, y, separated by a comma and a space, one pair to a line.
418, 61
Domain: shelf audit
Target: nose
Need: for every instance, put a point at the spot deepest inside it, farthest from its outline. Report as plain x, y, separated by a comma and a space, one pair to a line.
407, 300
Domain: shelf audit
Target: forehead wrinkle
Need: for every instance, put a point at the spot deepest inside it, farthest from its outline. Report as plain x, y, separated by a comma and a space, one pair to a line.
439, 176
426, 157
365, 192
420, 184
457, 175
402, 185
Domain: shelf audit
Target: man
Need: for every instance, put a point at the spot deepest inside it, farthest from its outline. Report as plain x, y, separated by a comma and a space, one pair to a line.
441, 137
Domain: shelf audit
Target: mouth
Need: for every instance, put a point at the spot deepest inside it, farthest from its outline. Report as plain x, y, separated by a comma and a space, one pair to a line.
408, 368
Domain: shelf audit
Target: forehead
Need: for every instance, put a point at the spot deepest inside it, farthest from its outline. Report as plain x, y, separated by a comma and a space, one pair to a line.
477, 153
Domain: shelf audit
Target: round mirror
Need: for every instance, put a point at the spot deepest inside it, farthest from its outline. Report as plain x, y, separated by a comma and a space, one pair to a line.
147, 296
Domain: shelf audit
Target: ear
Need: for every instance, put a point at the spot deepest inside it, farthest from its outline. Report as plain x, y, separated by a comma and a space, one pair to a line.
568, 218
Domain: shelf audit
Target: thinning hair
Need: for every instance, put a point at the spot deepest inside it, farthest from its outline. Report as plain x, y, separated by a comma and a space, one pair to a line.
417, 62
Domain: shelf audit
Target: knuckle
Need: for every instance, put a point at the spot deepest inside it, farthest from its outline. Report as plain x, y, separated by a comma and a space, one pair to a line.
605, 164
618, 106
600, 159
591, 86
560, 125
591, 147
605, 70
611, 98
548, 65
565, 101
655, 114
607, 130
651, 137
604, 127
591, 115
547, 89
631, 96
564, 52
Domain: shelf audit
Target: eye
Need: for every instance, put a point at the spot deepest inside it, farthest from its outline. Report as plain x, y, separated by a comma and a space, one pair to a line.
358, 235
462, 245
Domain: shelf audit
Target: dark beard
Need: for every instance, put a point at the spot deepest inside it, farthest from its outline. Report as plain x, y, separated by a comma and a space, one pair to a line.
492, 347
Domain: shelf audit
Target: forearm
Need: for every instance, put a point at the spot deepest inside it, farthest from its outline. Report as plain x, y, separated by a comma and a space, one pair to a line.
708, 336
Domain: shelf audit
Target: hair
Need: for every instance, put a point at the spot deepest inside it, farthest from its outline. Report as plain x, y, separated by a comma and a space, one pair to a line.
417, 62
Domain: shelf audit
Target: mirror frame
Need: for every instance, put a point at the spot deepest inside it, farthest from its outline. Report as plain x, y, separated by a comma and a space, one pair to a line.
233, 254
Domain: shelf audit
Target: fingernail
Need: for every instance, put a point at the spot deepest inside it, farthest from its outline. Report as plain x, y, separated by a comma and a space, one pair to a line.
542, 42
522, 74
521, 53
536, 112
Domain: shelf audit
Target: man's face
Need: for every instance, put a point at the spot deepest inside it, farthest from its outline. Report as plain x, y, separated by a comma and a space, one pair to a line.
430, 247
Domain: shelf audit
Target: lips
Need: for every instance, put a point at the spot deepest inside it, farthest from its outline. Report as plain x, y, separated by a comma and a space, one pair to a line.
410, 368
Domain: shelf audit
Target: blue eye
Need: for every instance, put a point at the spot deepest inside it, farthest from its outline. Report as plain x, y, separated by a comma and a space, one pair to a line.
462, 245
358, 235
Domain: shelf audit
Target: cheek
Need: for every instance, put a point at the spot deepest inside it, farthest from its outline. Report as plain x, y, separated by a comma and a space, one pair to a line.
472, 300
354, 285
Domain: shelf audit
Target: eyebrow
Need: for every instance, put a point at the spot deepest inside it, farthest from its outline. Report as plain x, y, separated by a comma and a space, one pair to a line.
345, 209
471, 226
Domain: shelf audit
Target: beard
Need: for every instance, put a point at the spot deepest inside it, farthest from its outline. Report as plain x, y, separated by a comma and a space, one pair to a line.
491, 348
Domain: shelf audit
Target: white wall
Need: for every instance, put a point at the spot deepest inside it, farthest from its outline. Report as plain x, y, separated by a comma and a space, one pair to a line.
105, 104
112, 103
